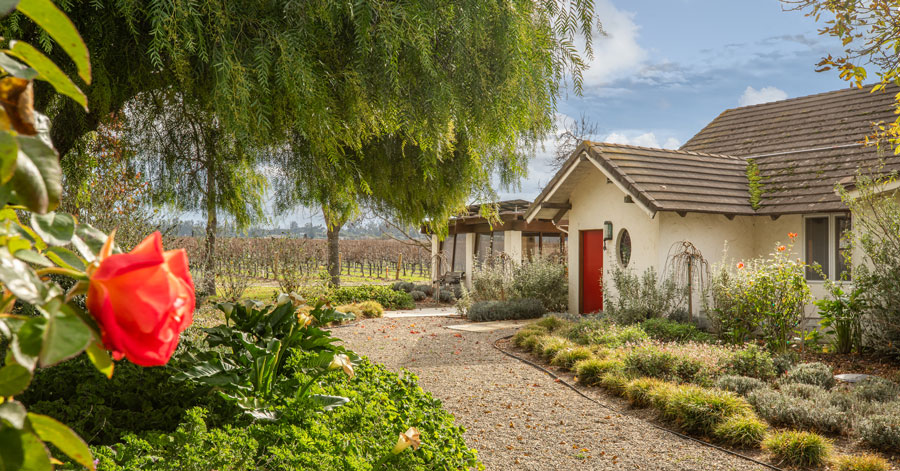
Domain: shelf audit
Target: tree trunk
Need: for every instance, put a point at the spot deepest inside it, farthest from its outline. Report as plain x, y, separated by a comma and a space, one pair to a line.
210, 269
334, 252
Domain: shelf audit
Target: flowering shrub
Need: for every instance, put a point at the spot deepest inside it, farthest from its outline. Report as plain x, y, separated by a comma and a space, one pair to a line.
768, 293
631, 298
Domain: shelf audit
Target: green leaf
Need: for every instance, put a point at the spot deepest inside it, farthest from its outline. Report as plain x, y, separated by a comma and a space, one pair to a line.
55, 228
14, 379
100, 358
11, 453
13, 412
21, 279
88, 241
65, 337
30, 256
26, 344
61, 29
38, 177
37, 456
16, 68
53, 431
329, 402
47, 71
9, 152
65, 258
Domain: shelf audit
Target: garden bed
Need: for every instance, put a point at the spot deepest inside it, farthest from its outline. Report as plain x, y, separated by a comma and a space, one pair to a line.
738, 396
192, 414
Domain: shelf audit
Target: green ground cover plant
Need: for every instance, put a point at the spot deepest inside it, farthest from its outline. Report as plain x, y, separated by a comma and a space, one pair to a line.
518, 308
389, 298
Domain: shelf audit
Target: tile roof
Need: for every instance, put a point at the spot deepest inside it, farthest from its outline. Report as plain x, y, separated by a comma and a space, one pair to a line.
823, 120
674, 180
802, 147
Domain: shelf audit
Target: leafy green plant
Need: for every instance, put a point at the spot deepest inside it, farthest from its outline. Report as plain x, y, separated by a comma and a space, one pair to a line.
841, 314
303, 438
417, 295
630, 298
816, 412
751, 361
544, 279
384, 295
798, 448
649, 361
251, 370
770, 293
551, 322
671, 331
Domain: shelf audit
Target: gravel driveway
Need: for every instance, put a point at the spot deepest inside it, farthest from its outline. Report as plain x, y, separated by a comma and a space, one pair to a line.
517, 417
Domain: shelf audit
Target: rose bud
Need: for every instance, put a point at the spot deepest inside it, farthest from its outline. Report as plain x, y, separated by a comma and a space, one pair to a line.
142, 300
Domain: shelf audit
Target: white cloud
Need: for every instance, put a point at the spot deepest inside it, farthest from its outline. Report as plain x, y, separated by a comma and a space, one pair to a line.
616, 54
753, 96
643, 139
672, 143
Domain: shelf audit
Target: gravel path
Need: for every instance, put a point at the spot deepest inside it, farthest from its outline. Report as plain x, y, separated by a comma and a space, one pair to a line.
517, 417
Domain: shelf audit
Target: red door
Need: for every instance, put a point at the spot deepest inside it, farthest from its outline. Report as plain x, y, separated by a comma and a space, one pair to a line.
591, 271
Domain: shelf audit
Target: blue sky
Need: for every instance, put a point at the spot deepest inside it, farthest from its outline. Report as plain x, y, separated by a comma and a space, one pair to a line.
667, 68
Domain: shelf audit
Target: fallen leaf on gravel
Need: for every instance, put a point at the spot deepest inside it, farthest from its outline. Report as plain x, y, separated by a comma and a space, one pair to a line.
457, 335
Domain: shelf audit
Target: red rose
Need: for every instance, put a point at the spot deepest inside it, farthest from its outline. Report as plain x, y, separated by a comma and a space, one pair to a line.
142, 301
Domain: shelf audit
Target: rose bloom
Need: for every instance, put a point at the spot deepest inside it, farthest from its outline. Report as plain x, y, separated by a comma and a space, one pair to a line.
142, 301
781, 248
740, 265
792, 235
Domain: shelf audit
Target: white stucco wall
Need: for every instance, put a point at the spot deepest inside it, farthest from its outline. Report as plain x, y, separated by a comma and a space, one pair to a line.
595, 200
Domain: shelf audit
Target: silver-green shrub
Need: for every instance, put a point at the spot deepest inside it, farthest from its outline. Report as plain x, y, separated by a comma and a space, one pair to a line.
543, 278
742, 385
631, 298
817, 374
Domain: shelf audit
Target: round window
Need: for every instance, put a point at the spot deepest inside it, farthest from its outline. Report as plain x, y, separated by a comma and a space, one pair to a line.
623, 247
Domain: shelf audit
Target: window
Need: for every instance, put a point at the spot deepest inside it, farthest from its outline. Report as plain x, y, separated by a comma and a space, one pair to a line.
825, 244
623, 248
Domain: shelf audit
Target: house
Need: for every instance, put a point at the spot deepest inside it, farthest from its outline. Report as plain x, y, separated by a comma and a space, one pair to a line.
746, 180
474, 240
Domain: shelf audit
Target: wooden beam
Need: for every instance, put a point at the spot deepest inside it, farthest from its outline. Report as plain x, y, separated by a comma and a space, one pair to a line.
682, 213
775, 216
559, 215
565, 205
730, 217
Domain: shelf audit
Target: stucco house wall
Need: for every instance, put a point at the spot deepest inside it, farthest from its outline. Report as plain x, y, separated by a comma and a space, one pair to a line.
594, 201
720, 239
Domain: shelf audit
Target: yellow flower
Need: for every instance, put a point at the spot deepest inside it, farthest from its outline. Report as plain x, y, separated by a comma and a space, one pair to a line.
342, 361
410, 437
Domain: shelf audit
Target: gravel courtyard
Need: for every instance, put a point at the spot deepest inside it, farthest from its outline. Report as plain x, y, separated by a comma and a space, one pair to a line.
517, 417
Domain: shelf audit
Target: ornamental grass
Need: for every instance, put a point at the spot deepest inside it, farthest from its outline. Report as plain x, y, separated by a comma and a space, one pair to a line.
797, 448
866, 462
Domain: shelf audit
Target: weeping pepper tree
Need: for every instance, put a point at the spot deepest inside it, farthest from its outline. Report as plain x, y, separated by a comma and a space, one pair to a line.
193, 164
